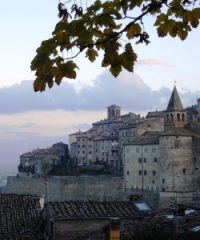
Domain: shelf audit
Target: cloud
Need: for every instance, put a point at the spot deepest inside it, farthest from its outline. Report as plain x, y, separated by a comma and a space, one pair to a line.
45, 123
154, 62
29, 120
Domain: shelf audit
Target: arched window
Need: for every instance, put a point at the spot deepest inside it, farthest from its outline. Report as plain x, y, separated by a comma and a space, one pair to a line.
167, 117
172, 118
183, 117
178, 117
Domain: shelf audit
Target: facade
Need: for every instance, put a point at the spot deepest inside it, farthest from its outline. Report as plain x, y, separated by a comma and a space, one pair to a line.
88, 220
167, 160
100, 144
142, 166
31, 163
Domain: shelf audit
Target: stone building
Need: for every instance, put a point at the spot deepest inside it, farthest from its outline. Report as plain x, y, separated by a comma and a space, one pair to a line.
101, 142
169, 161
88, 220
31, 162
142, 166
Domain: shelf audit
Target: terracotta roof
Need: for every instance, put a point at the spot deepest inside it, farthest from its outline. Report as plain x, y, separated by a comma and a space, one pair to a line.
175, 103
19, 217
90, 210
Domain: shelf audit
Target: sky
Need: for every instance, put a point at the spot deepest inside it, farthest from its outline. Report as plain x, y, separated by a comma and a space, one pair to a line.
30, 120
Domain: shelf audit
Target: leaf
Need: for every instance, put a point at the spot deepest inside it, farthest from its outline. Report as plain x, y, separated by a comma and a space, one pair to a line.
133, 30
67, 69
91, 54
172, 28
39, 60
128, 57
115, 69
183, 34
160, 19
39, 85
162, 30
194, 19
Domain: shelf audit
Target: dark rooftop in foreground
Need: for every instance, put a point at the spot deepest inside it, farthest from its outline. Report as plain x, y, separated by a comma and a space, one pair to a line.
19, 217
91, 210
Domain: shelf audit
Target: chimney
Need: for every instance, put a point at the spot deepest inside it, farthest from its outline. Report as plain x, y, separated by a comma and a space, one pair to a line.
114, 228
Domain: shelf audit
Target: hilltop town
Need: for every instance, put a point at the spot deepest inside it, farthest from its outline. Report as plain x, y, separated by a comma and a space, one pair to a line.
126, 176
156, 156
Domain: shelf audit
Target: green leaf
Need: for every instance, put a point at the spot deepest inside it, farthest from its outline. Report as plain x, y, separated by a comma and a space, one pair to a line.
115, 69
128, 57
162, 30
39, 60
194, 18
39, 84
133, 30
68, 69
183, 34
91, 54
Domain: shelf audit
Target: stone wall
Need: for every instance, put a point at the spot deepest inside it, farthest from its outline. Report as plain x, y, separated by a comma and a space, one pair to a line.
96, 188
69, 188
177, 165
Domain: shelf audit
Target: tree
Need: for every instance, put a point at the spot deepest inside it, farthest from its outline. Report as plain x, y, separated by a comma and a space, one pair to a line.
45, 167
112, 27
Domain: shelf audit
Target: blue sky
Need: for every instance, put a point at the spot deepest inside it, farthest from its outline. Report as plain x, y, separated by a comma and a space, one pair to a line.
29, 120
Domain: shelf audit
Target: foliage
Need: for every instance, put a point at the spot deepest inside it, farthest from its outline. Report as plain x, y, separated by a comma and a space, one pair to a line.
111, 27
45, 166
27, 169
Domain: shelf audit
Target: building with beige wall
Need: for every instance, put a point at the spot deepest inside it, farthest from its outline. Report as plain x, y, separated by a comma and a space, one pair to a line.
176, 149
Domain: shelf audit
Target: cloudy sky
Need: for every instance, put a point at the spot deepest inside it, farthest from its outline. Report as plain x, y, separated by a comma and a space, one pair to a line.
29, 120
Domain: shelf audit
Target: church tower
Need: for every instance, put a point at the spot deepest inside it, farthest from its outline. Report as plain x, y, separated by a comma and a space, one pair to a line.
175, 115
113, 111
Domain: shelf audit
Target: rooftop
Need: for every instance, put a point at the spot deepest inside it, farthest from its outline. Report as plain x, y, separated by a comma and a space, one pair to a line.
175, 103
91, 210
19, 217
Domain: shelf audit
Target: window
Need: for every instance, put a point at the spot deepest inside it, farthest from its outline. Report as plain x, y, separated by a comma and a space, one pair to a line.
178, 117
139, 160
167, 117
90, 152
140, 172
153, 150
90, 146
83, 146
145, 160
172, 119
184, 170
183, 117
127, 172
154, 173
83, 152
146, 149
145, 172
155, 159
153, 181
163, 180
78, 146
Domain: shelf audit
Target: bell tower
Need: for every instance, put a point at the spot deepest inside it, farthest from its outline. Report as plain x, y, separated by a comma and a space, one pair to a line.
113, 111
175, 115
